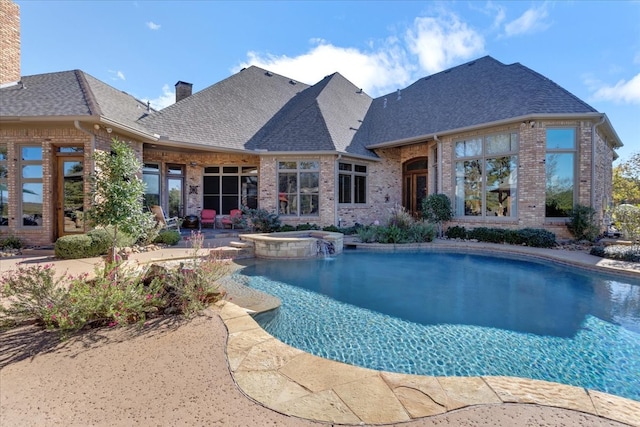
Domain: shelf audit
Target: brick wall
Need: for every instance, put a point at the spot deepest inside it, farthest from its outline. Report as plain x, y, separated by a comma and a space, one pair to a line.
9, 42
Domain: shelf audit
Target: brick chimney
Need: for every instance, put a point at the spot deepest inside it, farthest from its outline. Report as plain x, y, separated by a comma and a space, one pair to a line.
9, 42
183, 90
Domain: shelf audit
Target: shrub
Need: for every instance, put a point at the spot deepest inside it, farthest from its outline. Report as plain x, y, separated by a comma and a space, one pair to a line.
582, 224
331, 228
117, 296
168, 237
307, 226
34, 292
367, 234
10, 242
456, 232
74, 247
287, 227
537, 237
400, 218
421, 231
101, 241
484, 234
618, 252
349, 231
261, 220
392, 234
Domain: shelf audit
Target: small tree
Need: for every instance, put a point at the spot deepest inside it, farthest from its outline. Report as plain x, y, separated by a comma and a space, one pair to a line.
436, 208
582, 224
118, 193
627, 220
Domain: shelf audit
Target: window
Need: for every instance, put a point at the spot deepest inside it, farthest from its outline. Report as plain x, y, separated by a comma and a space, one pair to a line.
486, 176
230, 187
4, 187
352, 183
298, 187
30, 167
151, 178
560, 172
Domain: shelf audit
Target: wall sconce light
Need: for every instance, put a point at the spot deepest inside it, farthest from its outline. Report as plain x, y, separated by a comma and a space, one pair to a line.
194, 164
532, 123
109, 130
96, 126
386, 198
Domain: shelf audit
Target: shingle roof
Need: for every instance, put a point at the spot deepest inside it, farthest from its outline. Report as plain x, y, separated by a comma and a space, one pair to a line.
480, 91
323, 117
70, 94
227, 114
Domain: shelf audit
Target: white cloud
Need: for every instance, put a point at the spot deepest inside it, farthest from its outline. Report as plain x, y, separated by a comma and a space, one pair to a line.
153, 26
533, 20
431, 45
376, 72
117, 75
442, 41
167, 98
626, 92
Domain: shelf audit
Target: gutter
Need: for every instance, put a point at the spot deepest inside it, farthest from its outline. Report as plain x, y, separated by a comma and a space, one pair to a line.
421, 138
593, 158
152, 136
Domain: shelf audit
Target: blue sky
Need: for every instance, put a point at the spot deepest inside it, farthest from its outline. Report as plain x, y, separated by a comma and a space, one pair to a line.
590, 48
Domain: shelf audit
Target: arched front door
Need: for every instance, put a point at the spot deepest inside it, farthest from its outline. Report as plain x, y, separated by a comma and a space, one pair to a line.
414, 187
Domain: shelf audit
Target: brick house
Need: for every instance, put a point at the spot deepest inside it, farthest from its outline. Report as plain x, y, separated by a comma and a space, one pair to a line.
508, 146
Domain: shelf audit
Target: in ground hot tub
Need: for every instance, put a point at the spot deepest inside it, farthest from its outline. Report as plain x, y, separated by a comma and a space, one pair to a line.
295, 244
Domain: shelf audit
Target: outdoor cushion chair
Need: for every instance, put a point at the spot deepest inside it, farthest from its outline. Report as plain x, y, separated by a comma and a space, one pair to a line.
170, 223
208, 217
232, 219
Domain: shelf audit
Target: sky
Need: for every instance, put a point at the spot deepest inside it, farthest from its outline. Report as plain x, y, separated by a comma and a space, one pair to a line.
590, 48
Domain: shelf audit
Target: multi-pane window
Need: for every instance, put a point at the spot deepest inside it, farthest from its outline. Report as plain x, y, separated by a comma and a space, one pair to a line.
4, 187
560, 172
352, 183
298, 187
30, 167
151, 178
230, 187
487, 176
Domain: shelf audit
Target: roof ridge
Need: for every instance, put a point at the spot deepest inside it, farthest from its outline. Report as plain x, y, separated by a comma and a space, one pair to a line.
547, 79
87, 93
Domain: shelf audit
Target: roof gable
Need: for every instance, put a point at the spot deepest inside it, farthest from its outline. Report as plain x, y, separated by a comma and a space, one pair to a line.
228, 113
323, 117
480, 91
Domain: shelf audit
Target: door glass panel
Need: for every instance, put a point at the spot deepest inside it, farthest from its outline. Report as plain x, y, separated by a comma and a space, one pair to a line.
32, 204
421, 191
73, 196
174, 186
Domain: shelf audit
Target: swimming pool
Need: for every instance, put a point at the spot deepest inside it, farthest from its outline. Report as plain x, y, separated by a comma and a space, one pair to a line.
458, 314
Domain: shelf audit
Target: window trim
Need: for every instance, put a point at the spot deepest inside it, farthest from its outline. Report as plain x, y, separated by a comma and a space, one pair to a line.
352, 174
298, 172
21, 180
4, 163
242, 172
574, 152
482, 157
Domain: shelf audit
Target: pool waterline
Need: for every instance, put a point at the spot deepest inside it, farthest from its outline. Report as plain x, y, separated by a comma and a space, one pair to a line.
477, 340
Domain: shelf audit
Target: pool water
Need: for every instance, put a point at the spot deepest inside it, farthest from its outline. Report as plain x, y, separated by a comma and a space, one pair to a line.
458, 314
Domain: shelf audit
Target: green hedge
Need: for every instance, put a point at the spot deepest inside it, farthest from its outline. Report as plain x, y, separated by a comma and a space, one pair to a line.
535, 237
618, 252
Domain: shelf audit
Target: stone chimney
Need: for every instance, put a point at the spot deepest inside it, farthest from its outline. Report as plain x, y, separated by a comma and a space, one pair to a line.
9, 42
183, 90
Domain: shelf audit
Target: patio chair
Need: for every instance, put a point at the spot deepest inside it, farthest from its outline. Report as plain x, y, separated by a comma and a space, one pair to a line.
208, 217
170, 223
232, 219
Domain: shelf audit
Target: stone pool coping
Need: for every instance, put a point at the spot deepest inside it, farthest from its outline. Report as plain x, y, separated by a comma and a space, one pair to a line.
293, 382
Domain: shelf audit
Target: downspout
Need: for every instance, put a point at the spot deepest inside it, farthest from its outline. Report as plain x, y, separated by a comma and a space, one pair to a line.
593, 160
439, 155
336, 195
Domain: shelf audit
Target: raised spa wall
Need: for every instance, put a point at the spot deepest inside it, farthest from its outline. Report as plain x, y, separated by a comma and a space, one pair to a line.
294, 244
